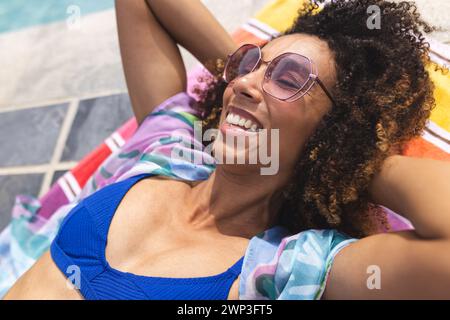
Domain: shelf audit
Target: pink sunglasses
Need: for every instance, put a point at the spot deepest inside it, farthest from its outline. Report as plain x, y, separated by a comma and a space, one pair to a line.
288, 77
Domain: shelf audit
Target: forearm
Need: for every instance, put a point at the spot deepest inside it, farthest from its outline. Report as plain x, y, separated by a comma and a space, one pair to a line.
193, 26
418, 189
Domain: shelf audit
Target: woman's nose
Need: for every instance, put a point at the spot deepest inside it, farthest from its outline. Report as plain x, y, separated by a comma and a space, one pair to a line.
248, 87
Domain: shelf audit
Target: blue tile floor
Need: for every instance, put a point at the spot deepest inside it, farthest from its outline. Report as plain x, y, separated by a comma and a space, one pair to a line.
95, 120
28, 137
50, 140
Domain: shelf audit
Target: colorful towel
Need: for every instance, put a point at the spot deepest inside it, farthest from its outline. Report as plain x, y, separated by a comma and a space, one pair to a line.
35, 221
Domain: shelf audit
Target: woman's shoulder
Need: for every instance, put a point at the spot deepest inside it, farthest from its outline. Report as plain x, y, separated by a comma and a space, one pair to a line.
281, 265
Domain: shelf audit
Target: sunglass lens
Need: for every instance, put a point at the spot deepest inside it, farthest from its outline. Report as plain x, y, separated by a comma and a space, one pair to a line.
242, 62
287, 76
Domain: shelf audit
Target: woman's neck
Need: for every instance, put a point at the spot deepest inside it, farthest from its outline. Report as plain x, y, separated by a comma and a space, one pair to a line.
232, 204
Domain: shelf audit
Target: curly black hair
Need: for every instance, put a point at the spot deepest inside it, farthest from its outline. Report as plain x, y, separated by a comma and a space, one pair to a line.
384, 96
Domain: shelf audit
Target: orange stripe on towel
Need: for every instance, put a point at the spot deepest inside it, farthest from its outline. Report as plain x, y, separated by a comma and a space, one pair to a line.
242, 36
421, 148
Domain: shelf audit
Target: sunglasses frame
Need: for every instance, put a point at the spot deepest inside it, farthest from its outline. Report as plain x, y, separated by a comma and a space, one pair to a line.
313, 76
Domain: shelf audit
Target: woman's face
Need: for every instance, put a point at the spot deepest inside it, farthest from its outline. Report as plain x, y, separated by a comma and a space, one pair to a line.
296, 120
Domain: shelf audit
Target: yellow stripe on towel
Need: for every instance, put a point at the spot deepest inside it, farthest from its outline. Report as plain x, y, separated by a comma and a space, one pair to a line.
441, 114
280, 14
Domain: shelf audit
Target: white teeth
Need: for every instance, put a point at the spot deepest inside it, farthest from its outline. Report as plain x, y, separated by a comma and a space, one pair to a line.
230, 118
242, 122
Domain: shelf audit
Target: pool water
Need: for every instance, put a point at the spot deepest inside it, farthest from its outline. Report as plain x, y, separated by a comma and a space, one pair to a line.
19, 14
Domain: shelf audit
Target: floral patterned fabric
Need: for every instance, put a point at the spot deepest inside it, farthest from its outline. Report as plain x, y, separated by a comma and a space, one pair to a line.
289, 267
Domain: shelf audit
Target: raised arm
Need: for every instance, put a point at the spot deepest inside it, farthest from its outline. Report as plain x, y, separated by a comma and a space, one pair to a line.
411, 264
149, 31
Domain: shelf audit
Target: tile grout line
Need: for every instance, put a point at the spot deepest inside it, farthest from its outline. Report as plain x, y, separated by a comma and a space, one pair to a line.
55, 101
36, 168
60, 144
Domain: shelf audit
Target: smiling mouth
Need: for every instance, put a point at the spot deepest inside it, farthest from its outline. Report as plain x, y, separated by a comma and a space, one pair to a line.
242, 119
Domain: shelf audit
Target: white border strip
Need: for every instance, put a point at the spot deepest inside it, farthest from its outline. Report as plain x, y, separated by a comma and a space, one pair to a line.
439, 47
111, 143
438, 130
436, 141
439, 60
72, 182
66, 189
118, 139
263, 26
258, 33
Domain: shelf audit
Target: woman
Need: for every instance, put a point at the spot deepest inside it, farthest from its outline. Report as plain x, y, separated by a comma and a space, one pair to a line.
341, 120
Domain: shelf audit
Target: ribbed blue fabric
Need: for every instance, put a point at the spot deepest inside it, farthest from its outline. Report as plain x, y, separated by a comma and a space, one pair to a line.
81, 243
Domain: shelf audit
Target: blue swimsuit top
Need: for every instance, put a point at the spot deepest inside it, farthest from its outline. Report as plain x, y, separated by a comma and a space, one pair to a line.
79, 252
